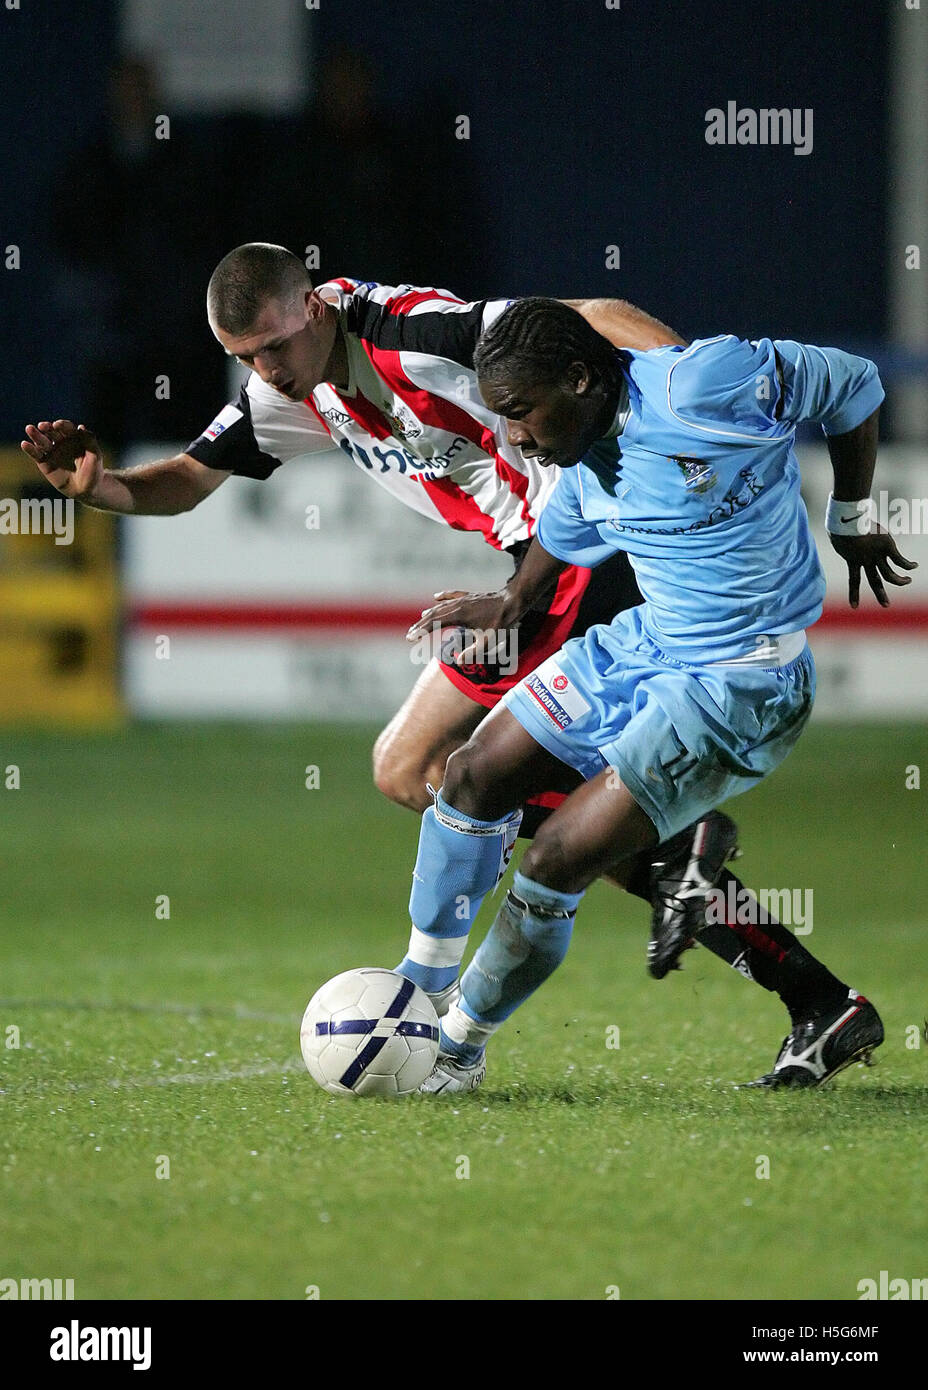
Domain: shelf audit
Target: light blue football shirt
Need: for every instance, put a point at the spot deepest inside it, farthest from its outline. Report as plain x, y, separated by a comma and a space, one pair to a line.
701, 488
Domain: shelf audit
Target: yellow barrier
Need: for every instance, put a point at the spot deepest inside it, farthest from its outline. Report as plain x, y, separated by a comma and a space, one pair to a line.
59, 606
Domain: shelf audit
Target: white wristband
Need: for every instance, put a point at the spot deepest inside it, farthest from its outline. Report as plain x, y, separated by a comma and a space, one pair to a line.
848, 518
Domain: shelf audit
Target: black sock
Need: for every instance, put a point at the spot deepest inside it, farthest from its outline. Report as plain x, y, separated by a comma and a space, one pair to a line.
767, 953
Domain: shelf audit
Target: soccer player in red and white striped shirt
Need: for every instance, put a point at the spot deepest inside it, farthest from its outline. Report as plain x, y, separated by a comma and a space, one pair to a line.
386, 374
398, 395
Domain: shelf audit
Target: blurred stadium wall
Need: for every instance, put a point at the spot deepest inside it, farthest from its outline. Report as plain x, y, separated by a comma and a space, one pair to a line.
289, 598
587, 132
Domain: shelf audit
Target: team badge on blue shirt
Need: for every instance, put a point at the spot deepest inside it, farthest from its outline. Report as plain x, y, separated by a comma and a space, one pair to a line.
698, 476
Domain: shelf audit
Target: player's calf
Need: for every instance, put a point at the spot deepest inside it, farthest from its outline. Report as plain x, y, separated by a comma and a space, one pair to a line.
599, 829
460, 860
526, 943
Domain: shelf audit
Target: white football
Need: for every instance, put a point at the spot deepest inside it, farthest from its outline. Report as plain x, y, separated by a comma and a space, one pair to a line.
369, 1032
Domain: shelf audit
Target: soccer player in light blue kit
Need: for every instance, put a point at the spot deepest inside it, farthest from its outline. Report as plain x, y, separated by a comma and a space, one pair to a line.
686, 462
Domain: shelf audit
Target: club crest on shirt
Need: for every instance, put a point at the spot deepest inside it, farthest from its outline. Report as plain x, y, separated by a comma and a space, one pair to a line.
698, 476
404, 422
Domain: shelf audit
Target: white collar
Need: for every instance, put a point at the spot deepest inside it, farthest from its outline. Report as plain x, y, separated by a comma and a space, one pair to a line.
621, 415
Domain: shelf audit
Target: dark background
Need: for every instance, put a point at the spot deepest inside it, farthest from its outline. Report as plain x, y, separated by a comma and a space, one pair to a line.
587, 129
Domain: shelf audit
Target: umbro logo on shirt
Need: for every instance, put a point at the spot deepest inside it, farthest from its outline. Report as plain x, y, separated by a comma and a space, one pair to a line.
335, 417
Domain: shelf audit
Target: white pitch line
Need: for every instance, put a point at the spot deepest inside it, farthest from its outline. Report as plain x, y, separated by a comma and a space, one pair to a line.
183, 1078
190, 1011
198, 1077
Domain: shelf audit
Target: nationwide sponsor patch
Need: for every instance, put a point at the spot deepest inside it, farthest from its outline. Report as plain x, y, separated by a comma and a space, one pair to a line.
226, 417
555, 693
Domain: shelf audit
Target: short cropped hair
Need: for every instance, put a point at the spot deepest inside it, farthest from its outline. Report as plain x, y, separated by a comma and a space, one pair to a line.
536, 340
247, 278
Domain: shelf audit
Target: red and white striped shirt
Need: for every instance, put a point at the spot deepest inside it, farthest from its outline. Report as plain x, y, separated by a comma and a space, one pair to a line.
411, 418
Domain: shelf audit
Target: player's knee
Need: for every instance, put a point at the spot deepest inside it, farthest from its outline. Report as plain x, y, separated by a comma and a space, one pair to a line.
468, 782
411, 793
381, 765
398, 778
549, 861
403, 774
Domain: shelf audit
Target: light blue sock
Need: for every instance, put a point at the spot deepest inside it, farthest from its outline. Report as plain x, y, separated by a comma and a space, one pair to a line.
460, 860
525, 945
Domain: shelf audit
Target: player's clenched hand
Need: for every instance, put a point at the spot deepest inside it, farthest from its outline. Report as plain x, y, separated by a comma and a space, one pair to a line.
67, 454
477, 614
875, 554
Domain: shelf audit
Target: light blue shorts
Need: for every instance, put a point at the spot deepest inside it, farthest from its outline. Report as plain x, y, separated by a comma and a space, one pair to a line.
682, 738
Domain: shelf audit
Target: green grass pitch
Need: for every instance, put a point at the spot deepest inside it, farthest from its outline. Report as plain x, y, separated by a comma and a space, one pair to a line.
151, 1044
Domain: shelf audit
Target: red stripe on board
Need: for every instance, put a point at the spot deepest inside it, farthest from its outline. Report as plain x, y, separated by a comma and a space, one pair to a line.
872, 619
273, 615
901, 618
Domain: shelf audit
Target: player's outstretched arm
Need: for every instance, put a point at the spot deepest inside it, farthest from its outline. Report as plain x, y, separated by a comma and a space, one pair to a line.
861, 543
624, 325
494, 612
71, 459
